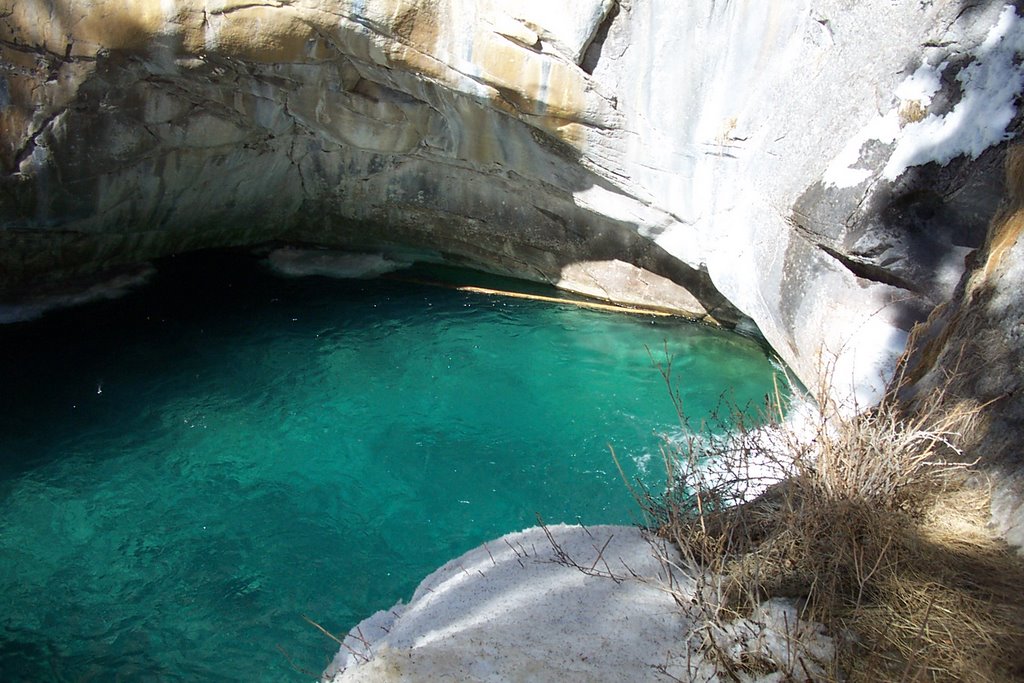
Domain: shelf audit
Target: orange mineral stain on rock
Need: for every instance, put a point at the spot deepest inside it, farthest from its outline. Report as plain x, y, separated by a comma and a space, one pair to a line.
537, 83
267, 35
1008, 223
543, 91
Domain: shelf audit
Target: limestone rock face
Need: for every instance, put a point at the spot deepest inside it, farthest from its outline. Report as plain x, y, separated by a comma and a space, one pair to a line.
455, 128
735, 160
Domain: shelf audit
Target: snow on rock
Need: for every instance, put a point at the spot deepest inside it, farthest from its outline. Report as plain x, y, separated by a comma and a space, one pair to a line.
990, 86
514, 610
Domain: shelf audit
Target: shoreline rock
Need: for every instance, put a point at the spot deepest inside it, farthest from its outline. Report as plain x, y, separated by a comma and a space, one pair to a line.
517, 609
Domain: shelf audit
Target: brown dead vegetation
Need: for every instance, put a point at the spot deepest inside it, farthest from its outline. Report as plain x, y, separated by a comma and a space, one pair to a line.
878, 530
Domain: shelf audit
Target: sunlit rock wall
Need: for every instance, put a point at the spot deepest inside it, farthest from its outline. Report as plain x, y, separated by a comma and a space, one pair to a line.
702, 156
139, 129
738, 117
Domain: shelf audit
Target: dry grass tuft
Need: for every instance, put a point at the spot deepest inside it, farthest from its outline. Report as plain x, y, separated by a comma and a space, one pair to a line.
876, 527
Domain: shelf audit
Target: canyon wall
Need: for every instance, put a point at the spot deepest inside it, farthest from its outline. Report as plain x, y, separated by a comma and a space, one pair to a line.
972, 350
821, 169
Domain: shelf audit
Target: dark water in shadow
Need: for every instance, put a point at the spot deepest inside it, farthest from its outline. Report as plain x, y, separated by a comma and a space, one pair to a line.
186, 472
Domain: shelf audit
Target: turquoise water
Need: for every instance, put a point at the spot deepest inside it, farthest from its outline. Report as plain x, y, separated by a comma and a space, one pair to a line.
186, 472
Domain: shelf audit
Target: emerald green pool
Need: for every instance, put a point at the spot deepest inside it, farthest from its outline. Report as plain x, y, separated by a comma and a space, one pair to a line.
187, 471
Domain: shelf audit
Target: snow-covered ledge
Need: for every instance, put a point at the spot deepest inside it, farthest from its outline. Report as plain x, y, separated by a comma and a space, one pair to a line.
514, 609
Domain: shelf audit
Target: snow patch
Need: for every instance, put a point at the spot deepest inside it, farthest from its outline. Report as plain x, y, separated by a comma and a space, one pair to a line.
514, 609
742, 466
114, 288
294, 262
990, 84
922, 85
842, 172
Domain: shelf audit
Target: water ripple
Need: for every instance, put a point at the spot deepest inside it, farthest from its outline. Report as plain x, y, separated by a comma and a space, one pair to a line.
263, 449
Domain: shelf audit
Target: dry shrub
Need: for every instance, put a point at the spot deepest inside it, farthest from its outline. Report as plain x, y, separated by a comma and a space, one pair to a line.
876, 525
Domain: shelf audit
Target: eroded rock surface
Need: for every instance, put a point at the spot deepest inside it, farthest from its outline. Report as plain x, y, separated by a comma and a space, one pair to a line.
569, 603
973, 349
733, 160
445, 127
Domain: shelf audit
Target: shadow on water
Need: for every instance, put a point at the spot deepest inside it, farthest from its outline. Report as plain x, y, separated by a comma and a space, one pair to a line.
188, 470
